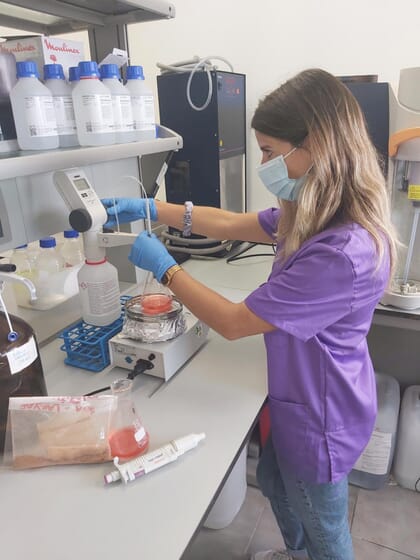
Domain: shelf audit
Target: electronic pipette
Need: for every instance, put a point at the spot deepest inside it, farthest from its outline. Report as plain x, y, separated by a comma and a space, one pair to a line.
154, 460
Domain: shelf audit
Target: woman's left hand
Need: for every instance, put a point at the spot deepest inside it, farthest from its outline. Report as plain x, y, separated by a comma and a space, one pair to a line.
150, 254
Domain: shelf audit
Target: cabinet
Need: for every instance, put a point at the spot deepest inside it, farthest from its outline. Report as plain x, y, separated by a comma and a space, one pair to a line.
52, 17
29, 206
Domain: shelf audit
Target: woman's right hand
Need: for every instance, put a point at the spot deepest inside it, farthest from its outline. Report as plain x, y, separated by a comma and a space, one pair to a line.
128, 210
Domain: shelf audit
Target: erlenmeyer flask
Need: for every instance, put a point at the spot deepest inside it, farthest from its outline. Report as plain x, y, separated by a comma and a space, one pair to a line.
128, 438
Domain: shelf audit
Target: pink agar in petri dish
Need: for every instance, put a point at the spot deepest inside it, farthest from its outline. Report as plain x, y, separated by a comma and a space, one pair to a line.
154, 304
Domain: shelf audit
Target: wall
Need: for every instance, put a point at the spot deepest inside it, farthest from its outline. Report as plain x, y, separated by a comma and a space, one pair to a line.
273, 39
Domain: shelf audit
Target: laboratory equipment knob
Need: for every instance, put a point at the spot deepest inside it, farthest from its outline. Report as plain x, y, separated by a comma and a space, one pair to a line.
80, 220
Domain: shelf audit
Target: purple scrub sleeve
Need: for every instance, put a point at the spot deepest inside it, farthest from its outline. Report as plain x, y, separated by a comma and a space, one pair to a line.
322, 393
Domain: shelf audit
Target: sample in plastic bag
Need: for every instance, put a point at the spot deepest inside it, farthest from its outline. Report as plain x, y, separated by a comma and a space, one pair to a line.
60, 430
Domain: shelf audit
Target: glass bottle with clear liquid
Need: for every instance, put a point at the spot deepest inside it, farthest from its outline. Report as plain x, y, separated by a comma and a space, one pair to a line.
20, 259
128, 438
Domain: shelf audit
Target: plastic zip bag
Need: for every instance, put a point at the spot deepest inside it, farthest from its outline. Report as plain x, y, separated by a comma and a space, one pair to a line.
60, 430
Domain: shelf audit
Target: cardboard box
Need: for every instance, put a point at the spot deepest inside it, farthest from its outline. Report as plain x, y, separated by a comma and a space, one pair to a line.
45, 50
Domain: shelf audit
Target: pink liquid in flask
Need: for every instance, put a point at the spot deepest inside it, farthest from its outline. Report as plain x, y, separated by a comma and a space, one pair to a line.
124, 444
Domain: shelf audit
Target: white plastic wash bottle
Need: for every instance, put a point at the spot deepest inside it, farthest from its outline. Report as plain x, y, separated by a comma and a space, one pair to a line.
92, 108
98, 284
33, 110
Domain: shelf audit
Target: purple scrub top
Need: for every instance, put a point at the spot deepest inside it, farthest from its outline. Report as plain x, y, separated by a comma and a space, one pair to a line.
321, 383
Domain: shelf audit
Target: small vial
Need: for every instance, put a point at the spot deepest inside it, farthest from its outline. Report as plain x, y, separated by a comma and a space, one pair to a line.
127, 438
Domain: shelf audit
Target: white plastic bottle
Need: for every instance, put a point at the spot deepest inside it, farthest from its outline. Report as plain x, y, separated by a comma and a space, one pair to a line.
373, 467
407, 456
47, 265
74, 76
33, 110
63, 105
121, 104
99, 292
142, 102
92, 108
71, 250
24, 268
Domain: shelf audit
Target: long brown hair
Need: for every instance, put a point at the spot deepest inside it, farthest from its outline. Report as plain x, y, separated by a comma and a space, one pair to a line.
345, 183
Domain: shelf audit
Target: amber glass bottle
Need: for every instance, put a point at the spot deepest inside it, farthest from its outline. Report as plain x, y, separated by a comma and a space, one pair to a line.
21, 373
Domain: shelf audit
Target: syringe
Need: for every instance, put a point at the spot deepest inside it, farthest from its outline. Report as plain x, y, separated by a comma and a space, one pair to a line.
154, 460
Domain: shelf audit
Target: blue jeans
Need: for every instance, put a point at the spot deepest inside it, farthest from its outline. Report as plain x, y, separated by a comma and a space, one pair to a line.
313, 518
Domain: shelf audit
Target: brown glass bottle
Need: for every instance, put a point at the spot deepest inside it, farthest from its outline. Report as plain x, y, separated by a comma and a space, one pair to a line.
21, 373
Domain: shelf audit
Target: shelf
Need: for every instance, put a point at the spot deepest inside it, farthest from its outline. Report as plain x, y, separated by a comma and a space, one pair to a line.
26, 163
52, 17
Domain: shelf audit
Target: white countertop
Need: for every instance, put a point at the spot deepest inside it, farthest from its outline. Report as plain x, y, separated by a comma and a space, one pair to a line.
57, 513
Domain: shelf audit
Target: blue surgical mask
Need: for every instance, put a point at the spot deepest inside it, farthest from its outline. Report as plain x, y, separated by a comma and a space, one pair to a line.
276, 178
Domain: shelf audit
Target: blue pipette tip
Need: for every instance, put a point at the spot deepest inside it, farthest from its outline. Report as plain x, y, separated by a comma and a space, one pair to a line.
12, 336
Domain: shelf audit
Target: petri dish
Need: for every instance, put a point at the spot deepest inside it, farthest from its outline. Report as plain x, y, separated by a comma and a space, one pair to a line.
154, 304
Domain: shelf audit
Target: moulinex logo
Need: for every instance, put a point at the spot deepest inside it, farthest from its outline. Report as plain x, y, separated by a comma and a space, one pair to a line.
18, 48
61, 48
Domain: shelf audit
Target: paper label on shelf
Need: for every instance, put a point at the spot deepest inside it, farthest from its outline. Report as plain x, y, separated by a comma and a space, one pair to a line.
118, 57
23, 356
375, 457
413, 192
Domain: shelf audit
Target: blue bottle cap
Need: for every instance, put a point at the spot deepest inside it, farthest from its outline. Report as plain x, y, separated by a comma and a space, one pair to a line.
135, 73
71, 233
88, 69
109, 71
53, 72
74, 74
26, 69
47, 242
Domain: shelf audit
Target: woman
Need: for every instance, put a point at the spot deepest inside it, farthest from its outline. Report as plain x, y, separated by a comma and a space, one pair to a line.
335, 252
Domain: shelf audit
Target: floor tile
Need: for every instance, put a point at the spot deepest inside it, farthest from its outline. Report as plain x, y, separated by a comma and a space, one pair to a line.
267, 534
232, 542
364, 550
353, 493
389, 517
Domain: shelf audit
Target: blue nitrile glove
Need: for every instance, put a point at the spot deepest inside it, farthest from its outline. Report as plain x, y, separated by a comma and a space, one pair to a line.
128, 210
149, 253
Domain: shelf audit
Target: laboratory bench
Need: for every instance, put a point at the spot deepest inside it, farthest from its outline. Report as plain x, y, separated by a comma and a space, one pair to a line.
61, 512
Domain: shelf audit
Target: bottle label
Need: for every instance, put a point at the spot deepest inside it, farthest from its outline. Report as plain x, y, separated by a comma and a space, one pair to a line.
123, 114
375, 458
66, 123
139, 434
97, 115
40, 116
143, 112
23, 356
101, 297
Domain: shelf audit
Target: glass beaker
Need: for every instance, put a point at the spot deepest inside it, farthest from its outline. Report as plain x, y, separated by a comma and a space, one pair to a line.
127, 438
